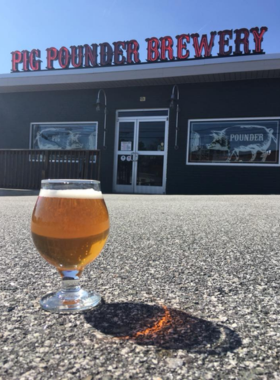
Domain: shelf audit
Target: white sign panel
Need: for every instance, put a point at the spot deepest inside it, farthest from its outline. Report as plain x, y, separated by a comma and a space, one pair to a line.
126, 145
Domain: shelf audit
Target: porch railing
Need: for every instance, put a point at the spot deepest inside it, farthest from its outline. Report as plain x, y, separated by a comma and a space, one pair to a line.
24, 169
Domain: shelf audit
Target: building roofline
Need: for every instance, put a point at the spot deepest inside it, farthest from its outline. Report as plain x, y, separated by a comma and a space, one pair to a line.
137, 74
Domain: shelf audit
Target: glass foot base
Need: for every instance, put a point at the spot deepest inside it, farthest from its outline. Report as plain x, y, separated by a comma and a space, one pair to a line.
70, 301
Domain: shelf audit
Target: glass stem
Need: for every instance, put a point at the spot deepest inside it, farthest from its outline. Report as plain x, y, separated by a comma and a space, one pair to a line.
70, 281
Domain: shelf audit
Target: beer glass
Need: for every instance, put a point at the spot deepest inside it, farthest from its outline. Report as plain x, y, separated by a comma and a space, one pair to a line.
70, 225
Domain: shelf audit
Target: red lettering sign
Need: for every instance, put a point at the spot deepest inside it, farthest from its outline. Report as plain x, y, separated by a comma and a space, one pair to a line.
241, 40
224, 42
35, 64
25, 60
119, 59
76, 56
64, 57
258, 38
106, 53
198, 47
16, 59
51, 56
166, 47
90, 55
127, 52
132, 51
182, 45
153, 52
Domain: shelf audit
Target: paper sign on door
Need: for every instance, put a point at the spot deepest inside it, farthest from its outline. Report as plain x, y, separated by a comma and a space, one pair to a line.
126, 145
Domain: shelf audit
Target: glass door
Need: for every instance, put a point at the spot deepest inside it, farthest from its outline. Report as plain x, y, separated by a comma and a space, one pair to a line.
151, 149
141, 152
125, 172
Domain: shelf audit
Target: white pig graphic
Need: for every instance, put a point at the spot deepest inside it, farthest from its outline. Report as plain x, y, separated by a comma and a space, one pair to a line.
243, 138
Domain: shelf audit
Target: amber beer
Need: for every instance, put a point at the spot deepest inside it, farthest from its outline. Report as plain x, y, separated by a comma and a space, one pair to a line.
70, 227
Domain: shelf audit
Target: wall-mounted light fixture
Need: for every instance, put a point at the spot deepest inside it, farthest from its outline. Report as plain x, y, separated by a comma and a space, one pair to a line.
99, 105
175, 100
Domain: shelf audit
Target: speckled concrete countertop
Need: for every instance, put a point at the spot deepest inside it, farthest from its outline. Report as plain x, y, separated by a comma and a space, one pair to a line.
190, 288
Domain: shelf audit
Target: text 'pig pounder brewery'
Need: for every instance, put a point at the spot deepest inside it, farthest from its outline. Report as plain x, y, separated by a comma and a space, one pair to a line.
174, 120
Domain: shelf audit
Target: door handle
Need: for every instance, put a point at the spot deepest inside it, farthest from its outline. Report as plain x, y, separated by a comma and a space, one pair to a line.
135, 157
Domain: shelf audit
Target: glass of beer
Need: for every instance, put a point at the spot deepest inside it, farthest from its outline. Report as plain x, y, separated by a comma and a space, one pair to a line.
70, 225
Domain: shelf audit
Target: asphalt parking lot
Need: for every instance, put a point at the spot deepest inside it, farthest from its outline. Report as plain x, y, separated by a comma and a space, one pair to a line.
190, 288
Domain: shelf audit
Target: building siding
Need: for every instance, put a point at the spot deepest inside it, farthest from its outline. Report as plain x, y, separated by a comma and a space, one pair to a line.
250, 98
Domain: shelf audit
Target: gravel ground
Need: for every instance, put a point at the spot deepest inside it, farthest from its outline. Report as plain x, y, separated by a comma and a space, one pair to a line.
190, 288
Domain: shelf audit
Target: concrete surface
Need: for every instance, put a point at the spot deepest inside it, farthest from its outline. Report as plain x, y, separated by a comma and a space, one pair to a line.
190, 287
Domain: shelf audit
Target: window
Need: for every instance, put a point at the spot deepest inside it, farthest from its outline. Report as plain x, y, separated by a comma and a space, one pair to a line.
234, 142
64, 136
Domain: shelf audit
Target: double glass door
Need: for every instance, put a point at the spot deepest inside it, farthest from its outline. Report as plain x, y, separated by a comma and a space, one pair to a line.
140, 159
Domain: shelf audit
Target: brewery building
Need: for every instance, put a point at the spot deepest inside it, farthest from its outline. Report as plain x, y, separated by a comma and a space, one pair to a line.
180, 121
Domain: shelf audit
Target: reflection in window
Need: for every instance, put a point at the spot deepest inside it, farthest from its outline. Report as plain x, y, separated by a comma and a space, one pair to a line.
149, 172
151, 136
126, 135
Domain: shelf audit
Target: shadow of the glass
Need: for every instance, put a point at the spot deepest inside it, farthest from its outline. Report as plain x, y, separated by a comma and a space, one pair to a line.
162, 327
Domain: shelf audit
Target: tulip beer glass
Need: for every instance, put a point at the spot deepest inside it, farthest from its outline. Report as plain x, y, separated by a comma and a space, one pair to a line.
70, 225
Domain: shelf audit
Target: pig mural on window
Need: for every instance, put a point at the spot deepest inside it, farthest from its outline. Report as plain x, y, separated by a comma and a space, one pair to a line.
252, 139
53, 138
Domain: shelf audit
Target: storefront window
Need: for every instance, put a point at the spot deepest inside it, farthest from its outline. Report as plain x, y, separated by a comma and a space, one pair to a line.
239, 142
69, 136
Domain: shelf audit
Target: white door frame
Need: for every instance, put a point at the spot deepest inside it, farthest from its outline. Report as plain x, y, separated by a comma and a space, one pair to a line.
137, 119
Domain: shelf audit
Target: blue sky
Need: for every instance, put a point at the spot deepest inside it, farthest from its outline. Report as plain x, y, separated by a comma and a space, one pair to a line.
27, 25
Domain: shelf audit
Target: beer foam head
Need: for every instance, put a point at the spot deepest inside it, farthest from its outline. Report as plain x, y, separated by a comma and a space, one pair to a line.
71, 193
